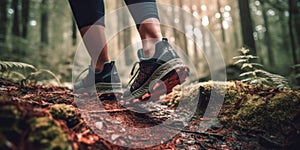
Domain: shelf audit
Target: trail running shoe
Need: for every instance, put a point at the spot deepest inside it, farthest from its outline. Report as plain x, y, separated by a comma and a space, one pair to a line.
165, 67
106, 81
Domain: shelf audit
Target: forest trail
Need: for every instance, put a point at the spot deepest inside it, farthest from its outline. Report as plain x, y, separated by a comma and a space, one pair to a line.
35, 117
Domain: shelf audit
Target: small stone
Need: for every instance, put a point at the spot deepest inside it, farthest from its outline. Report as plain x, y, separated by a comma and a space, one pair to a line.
109, 131
99, 125
122, 142
3, 89
116, 122
122, 130
114, 137
130, 137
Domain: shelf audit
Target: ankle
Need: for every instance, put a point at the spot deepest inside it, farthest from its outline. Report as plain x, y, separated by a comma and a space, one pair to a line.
149, 47
150, 33
150, 28
98, 68
100, 65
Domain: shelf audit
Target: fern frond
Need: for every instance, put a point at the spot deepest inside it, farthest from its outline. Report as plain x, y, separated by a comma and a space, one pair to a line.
249, 73
256, 81
6, 66
238, 57
255, 73
256, 64
277, 77
247, 65
247, 79
263, 80
245, 57
16, 76
241, 61
42, 74
262, 72
51, 74
244, 50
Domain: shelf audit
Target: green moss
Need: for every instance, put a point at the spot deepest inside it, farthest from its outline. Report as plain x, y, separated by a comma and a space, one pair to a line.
10, 117
46, 134
269, 114
38, 130
68, 113
255, 107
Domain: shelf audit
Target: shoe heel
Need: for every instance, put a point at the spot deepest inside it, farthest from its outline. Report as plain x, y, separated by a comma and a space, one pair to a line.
110, 96
168, 82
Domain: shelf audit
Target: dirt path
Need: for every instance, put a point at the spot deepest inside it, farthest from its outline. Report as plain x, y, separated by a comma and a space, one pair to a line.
35, 117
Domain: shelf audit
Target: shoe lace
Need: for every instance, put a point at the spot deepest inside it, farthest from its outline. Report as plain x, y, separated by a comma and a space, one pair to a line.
134, 74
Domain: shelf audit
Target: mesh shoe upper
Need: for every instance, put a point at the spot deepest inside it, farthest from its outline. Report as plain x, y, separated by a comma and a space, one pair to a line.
107, 77
147, 67
152, 68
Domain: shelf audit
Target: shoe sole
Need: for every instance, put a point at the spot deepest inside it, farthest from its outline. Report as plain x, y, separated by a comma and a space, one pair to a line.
109, 88
161, 74
102, 88
173, 78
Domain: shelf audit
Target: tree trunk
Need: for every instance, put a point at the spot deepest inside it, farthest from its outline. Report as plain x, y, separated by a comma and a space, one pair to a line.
74, 32
44, 22
291, 29
16, 20
25, 17
284, 31
182, 38
267, 35
127, 39
236, 32
175, 33
297, 22
3, 20
221, 22
246, 23
119, 25
195, 39
16, 29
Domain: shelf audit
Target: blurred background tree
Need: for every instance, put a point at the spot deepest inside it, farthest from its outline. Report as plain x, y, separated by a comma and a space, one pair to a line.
44, 33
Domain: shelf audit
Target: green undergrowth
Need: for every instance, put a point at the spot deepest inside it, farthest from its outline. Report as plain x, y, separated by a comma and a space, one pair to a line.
27, 74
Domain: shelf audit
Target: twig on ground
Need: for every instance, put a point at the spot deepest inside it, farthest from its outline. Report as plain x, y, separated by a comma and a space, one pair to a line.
195, 132
107, 111
201, 145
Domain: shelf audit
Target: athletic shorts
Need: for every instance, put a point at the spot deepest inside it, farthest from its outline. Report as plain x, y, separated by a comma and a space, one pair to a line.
91, 12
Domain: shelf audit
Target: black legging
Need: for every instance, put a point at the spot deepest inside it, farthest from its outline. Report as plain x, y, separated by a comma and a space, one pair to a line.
89, 12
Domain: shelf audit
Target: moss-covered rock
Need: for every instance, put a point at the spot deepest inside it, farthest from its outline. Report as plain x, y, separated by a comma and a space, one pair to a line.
268, 113
244, 106
10, 116
24, 127
46, 134
68, 113
259, 108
